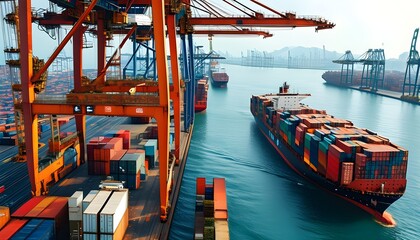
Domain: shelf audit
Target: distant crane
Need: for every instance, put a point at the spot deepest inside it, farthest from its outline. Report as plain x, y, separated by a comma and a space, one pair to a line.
347, 62
373, 69
411, 87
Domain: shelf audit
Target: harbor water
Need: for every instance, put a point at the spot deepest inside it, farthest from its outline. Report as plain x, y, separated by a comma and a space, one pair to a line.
266, 199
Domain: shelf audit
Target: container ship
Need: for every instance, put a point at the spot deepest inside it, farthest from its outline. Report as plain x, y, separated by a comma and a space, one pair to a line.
218, 76
211, 214
201, 95
393, 80
355, 164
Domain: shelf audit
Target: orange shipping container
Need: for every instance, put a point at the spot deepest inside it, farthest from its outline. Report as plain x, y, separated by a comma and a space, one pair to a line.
40, 207
4, 216
220, 200
346, 173
28, 206
119, 231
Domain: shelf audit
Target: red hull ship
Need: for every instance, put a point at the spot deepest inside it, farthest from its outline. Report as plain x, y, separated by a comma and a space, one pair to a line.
218, 76
201, 96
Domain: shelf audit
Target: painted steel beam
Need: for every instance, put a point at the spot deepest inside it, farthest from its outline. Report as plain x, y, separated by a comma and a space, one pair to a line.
171, 22
158, 12
63, 43
265, 22
28, 95
77, 74
233, 32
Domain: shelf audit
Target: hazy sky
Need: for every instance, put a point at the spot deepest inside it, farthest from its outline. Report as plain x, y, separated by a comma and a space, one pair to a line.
360, 25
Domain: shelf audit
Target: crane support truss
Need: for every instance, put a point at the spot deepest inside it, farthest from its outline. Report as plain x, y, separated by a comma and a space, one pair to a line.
411, 87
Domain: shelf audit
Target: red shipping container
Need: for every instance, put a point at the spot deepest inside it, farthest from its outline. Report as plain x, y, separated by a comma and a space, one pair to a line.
58, 211
12, 227
346, 173
346, 147
35, 211
322, 162
333, 165
200, 186
336, 151
28, 206
116, 143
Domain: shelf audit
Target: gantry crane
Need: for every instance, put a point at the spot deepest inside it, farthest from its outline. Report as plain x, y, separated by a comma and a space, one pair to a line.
93, 96
347, 62
373, 72
411, 86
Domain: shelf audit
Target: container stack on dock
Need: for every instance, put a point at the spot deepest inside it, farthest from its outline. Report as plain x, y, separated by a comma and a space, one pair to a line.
106, 215
6, 103
39, 218
211, 216
102, 214
111, 155
150, 148
8, 134
59, 83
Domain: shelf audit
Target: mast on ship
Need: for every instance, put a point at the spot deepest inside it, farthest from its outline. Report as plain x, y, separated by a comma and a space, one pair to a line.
284, 88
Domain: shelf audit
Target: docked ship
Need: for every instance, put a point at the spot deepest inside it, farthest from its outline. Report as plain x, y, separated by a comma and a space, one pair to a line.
355, 164
218, 75
201, 95
393, 80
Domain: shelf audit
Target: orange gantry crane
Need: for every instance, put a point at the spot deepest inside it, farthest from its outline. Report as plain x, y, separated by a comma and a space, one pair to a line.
150, 99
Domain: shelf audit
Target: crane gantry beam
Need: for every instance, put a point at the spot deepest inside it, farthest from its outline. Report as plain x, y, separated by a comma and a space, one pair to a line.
276, 22
244, 31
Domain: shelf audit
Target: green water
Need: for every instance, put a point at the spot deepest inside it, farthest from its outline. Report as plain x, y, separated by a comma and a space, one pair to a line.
267, 200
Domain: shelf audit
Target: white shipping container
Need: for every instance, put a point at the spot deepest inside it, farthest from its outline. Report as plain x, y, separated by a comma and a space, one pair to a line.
90, 236
90, 215
139, 19
88, 199
221, 228
106, 237
113, 211
75, 214
76, 199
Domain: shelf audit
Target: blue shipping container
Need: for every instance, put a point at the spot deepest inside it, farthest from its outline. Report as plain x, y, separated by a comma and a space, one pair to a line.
45, 231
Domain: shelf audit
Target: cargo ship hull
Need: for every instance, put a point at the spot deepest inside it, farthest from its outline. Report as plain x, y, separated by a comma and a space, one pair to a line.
374, 204
201, 96
219, 79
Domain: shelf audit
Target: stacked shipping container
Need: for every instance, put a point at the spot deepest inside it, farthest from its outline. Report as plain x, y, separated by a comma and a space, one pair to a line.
39, 218
334, 148
105, 215
8, 134
211, 215
109, 155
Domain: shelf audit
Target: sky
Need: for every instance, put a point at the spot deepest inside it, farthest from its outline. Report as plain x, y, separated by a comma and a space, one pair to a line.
360, 25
